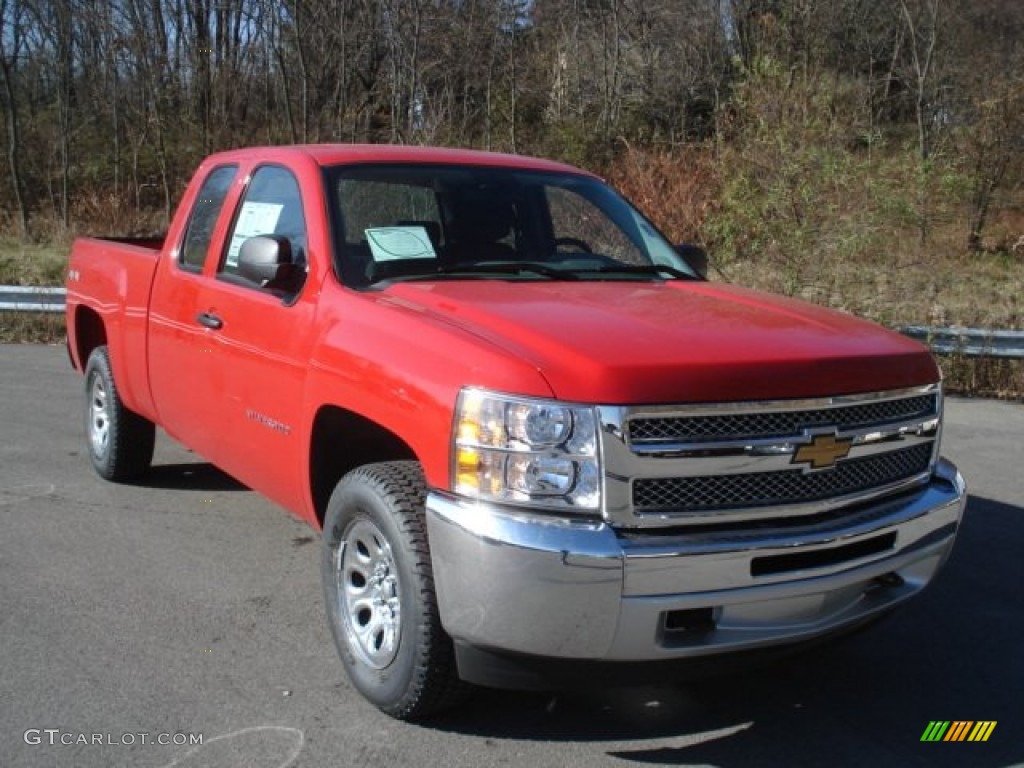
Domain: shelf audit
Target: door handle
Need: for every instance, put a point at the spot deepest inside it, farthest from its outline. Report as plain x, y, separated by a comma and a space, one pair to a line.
210, 320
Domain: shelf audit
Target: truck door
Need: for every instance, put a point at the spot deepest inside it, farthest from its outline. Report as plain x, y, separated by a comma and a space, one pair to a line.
261, 333
178, 342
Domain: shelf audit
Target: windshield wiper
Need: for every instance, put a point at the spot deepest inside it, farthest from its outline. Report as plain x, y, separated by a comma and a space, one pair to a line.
478, 271
502, 268
483, 269
641, 269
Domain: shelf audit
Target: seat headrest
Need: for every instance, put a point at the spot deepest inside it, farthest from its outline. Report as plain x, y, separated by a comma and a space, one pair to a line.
483, 219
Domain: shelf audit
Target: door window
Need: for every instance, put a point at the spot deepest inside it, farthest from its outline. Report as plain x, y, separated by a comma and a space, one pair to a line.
271, 206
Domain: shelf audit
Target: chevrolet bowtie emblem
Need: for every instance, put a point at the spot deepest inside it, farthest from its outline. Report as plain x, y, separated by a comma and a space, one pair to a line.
823, 451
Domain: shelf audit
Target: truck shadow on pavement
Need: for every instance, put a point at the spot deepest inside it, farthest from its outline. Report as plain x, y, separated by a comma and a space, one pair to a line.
197, 476
953, 653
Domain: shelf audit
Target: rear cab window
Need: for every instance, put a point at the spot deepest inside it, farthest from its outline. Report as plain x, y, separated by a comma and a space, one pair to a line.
203, 219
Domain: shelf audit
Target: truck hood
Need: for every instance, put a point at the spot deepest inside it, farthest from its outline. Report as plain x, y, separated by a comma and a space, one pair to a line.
671, 342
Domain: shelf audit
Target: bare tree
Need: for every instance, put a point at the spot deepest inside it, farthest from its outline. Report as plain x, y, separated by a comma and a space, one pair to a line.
922, 22
104, 100
11, 38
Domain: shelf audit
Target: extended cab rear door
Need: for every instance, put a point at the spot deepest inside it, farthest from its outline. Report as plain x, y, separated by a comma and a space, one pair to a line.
184, 398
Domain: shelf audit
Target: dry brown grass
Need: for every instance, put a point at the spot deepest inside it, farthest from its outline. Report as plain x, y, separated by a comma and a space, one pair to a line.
983, 377
889, 277
859, 251
677, 188
31, 328
32, 263
986, 291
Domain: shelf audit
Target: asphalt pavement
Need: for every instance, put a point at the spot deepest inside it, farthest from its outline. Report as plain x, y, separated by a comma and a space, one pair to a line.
189, 605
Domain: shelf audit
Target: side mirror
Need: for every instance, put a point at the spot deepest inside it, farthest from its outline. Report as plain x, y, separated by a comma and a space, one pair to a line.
695, 256
266, 258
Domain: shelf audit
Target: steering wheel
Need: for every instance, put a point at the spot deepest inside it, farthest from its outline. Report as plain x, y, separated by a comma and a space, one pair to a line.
582, 245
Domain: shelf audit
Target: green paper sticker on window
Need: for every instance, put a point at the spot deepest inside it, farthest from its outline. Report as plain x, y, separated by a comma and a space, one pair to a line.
393, 243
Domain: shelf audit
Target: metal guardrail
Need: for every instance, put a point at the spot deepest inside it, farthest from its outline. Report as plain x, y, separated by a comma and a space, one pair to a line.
970, 342
17, 298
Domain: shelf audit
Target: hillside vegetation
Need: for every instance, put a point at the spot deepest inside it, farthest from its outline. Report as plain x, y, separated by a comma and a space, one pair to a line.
864, 155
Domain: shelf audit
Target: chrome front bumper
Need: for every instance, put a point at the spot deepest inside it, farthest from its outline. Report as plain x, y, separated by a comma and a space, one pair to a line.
511, 581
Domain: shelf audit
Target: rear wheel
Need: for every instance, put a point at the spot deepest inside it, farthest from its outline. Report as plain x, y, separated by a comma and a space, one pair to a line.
379, 592
120, 441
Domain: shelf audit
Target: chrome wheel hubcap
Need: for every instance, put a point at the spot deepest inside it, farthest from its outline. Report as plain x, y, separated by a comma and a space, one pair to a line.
369, 596
99, 417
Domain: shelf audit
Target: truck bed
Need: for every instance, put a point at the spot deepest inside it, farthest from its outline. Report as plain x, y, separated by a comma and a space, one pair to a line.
148, 243
108, 285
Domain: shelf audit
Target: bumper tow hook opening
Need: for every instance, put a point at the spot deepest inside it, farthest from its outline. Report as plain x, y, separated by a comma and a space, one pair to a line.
696, 621
888, 581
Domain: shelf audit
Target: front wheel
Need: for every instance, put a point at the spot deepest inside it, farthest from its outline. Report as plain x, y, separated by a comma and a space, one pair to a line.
379, 592
120, 441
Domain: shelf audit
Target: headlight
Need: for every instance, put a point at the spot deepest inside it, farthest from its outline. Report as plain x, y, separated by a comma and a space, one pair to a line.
525, 450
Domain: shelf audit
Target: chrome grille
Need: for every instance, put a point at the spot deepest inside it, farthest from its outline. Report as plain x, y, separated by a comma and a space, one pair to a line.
765, 489
735, 426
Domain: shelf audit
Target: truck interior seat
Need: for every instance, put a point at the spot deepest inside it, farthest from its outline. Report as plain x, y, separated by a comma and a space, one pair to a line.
479, 228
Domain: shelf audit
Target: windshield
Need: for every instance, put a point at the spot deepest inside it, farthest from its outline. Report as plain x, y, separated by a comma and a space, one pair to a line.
456, 222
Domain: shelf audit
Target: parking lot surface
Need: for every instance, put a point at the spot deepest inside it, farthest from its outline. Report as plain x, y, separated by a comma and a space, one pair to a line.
189, 605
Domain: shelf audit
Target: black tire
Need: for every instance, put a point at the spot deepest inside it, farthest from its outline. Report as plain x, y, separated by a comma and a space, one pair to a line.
120, 441
375, 559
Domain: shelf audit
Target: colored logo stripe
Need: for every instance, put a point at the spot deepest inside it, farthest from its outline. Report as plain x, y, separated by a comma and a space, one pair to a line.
982, 730
958, 730
935, 730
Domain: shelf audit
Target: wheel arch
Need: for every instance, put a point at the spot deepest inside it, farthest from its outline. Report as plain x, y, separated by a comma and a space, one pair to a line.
342, 440
90, 332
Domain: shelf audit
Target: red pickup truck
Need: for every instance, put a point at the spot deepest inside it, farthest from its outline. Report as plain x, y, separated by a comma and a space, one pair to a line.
539, 443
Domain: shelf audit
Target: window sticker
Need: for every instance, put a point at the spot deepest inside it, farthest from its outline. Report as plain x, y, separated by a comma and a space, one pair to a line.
393, 243
254, 219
